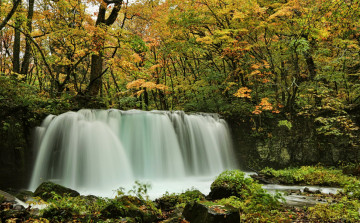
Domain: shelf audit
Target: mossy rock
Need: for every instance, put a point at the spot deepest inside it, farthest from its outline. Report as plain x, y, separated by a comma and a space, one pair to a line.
44, 191
129, 206
230, 183
23, 195
203, 212
169, 202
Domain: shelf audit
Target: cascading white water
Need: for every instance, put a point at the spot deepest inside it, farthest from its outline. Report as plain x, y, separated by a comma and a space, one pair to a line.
97, 150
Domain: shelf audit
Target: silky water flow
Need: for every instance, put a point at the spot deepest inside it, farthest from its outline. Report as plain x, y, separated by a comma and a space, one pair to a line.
99, 151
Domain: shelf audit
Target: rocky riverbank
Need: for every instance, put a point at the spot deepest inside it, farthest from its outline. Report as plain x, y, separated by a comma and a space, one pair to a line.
233, 197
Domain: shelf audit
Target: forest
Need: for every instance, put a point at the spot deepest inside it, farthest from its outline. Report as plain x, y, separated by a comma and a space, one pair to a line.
284, 74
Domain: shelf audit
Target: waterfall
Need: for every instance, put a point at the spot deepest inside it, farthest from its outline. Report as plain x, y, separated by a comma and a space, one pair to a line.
105, 149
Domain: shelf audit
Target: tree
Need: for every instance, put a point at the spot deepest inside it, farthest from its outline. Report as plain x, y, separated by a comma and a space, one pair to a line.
27, 54
102, 22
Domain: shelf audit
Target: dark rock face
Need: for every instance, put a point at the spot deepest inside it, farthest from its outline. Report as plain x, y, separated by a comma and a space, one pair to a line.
200, 213
16, 155
279, 146
45, 191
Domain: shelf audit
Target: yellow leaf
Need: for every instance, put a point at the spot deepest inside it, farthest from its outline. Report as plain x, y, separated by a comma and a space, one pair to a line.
138, 93
149, 85
136, 58
135, 84
153, 67
243, 92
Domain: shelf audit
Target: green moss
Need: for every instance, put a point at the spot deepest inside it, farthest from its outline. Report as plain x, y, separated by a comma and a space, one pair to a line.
233, 183
130, 206
310, 175
171, 201
344, 211
66, 208
49, 190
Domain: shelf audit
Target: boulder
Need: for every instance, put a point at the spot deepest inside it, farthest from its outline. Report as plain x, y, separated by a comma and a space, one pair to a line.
44, 191
307, 190
24, 195
196, 212
265, 179
4, 196
232, 183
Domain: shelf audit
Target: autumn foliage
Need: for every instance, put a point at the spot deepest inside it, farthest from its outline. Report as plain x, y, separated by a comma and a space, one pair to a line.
251, 57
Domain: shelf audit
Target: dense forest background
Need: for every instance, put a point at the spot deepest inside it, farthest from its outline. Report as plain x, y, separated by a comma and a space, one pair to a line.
284, 73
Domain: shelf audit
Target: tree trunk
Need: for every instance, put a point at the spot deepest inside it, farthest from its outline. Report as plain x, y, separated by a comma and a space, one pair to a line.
95, 75
16, 46
311, 65
96, 72
26, 61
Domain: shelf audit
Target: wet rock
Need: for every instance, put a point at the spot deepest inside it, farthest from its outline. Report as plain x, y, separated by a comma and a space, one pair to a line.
196, 212
18, 207
296, 192
44, 191
24, 195
307, 190
264, 179
4, 196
